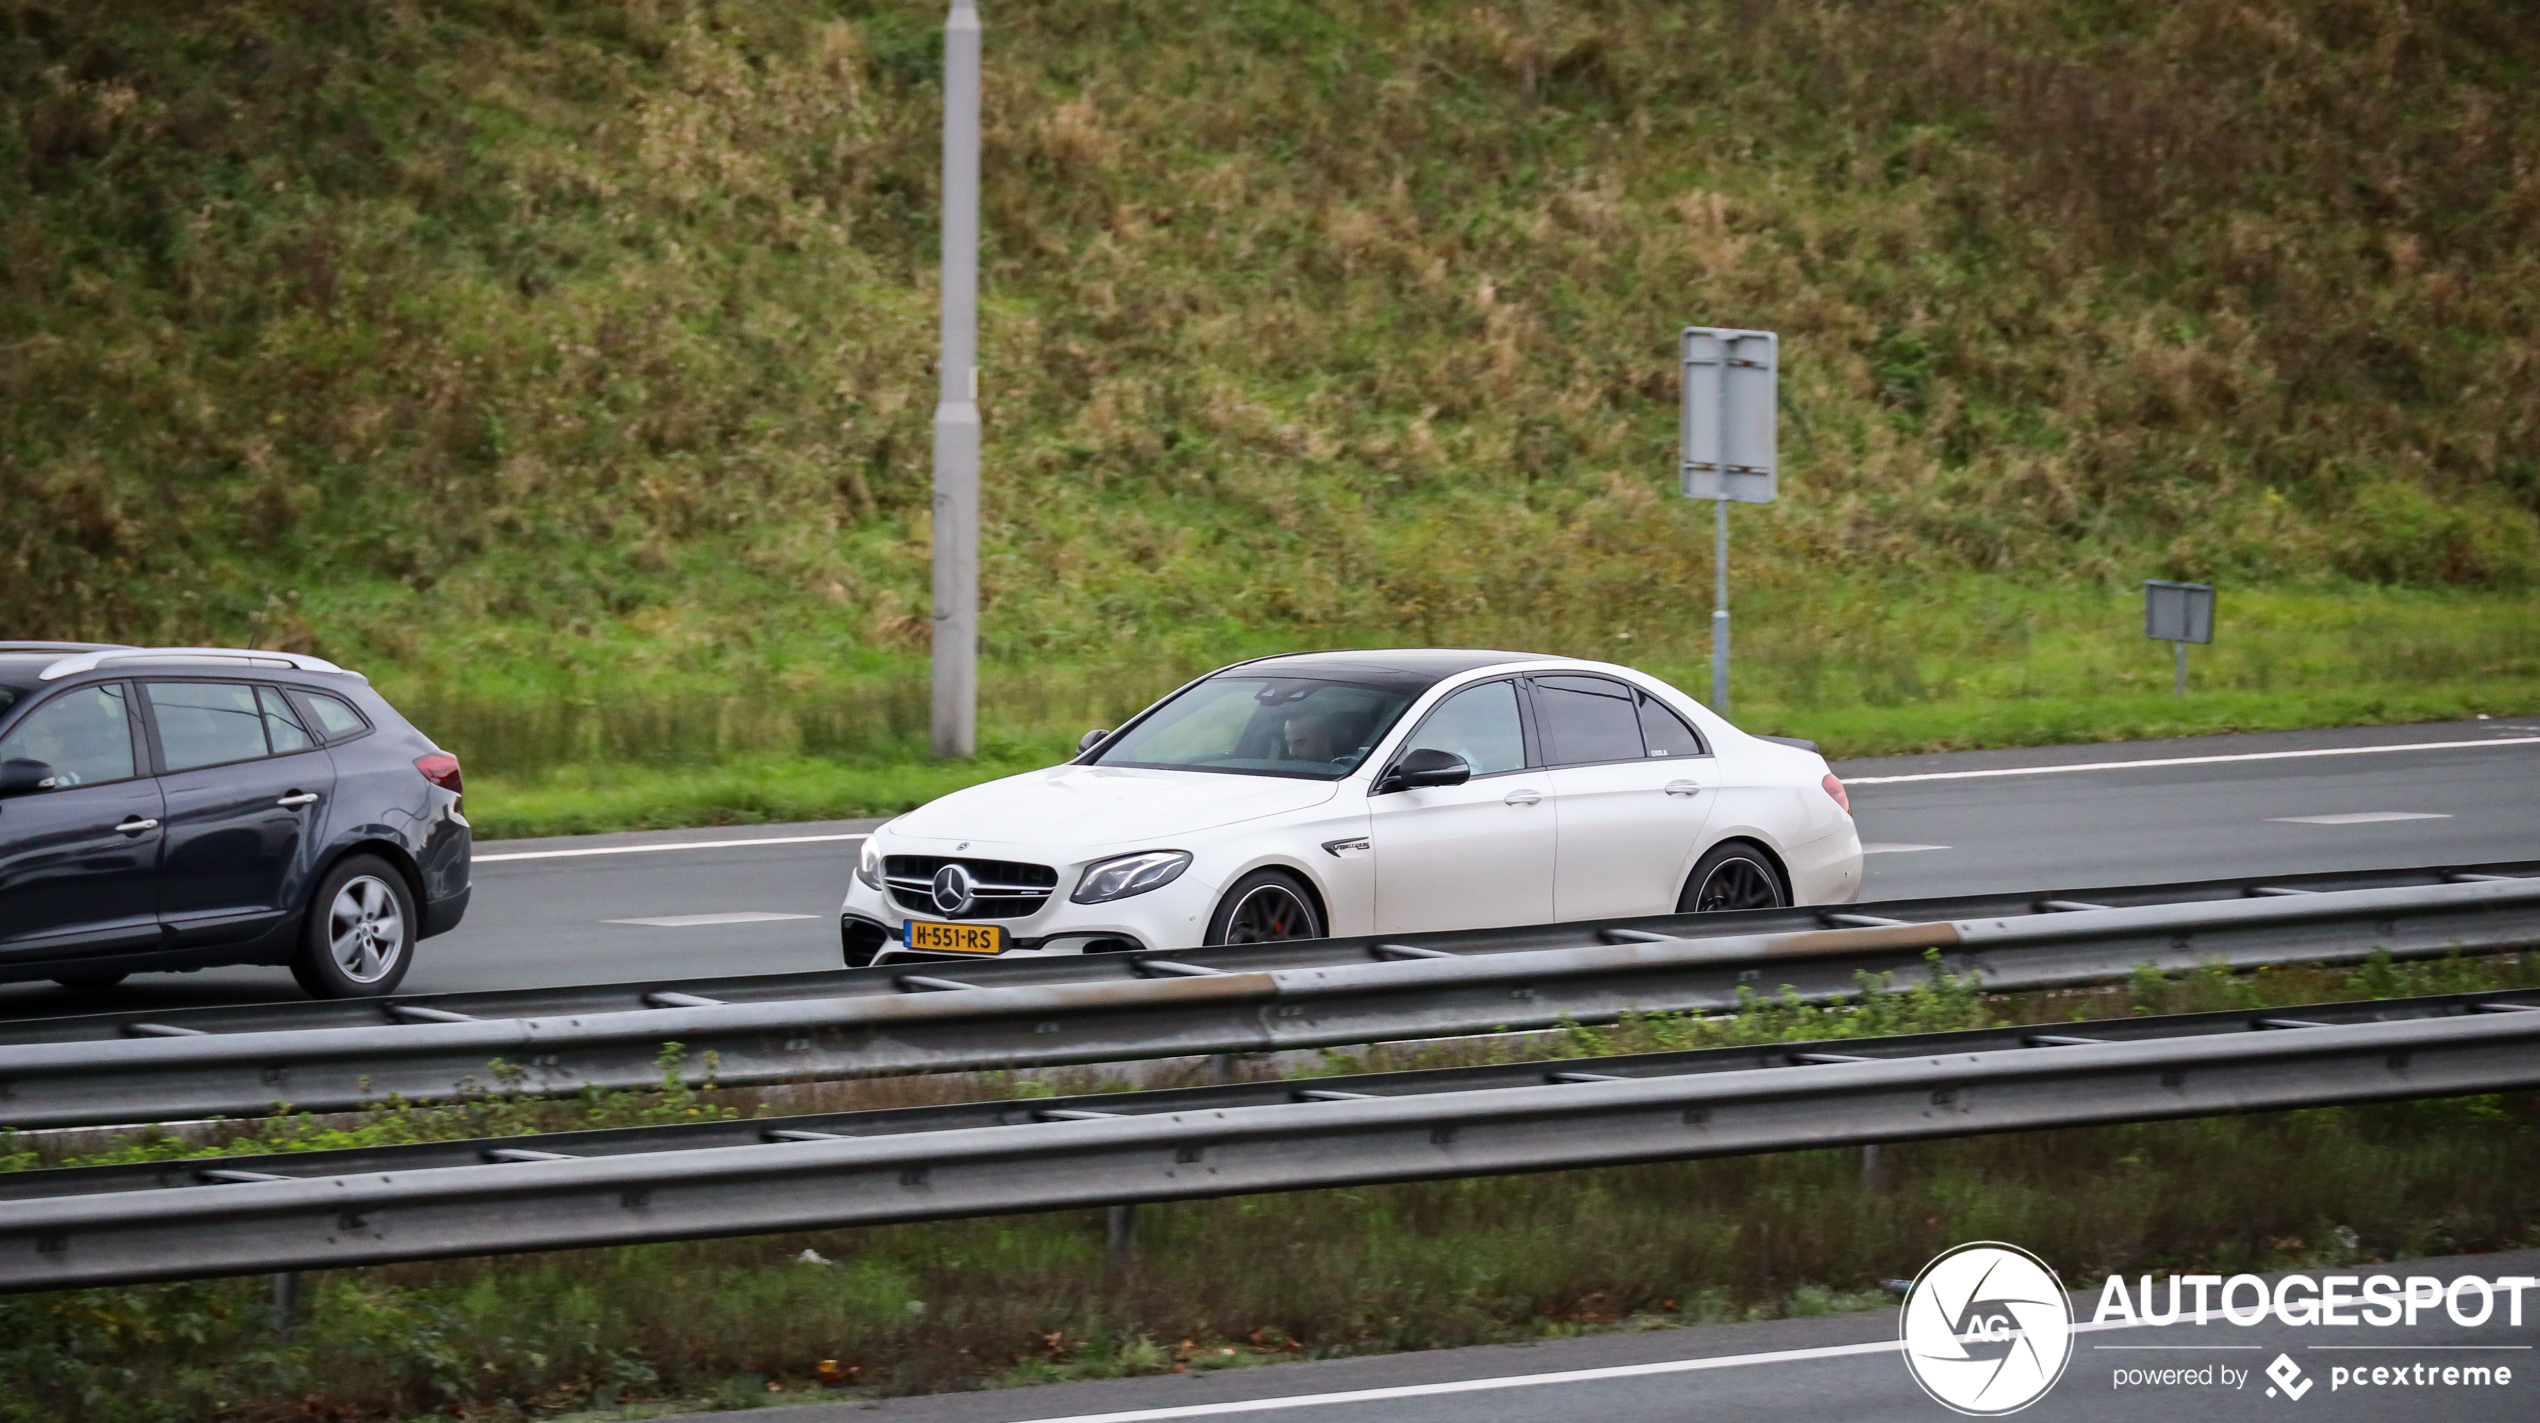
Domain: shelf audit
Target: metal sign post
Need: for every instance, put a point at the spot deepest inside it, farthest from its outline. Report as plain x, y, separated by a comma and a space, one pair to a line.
954, 718
1730, 452
2179, 613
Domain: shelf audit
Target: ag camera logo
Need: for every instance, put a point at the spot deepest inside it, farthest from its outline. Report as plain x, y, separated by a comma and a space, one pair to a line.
1986, 1329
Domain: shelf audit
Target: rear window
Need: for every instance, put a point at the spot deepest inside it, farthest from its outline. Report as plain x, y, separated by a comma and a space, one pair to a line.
207, 723
1587, 720
335, 717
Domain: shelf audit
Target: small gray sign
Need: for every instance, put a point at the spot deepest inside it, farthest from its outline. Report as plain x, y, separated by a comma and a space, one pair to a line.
1730, 450
2178, 612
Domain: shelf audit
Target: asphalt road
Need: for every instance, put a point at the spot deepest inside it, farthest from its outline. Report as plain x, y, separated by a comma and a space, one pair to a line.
608, 908
1831, 1369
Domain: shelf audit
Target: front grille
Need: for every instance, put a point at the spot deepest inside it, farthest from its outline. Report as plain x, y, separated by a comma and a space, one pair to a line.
1000, 889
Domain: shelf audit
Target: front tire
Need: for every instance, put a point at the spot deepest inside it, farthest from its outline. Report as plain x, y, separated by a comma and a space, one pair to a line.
1265, 907
358, 938
1733, 875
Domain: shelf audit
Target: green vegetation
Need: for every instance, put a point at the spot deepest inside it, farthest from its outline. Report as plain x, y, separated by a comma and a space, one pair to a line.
1236, 1282
539, 355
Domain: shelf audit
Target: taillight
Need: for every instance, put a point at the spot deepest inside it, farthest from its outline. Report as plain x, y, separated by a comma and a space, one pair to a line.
442, 769
1833, 788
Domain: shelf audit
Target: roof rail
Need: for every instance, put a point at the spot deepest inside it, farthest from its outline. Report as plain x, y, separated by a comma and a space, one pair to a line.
241, 656
31, 645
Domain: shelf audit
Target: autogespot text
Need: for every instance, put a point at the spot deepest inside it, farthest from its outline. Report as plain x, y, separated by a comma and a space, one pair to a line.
2321, 1301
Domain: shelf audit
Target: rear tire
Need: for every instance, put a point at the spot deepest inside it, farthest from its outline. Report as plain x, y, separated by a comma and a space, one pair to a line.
1733, 875
91, 982
358, 938
1265, 907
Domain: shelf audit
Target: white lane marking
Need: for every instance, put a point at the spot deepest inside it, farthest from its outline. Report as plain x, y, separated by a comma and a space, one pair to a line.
1850, 781
691, 921
655, 849
1900, 849
1423, 1390
2358, 817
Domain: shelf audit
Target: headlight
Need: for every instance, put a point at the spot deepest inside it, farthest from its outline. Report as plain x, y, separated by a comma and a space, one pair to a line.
1130, 874
868, 866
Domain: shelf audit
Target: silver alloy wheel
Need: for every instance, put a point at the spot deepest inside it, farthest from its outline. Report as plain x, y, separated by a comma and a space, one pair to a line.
1738, 883
364, 929
1271, 914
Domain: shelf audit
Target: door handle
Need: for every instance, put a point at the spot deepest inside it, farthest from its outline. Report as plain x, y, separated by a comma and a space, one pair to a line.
1523, 797
134, 825
1683, 788
298, 798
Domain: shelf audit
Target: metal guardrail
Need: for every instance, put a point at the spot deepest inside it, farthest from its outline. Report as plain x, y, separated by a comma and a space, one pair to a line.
107, 1226
1414, 990
576, 999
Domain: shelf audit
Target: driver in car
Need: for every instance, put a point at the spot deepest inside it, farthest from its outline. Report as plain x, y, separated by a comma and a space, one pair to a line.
1309, 737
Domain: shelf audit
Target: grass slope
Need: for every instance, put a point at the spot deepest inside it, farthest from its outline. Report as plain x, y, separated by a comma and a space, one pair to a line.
537, 353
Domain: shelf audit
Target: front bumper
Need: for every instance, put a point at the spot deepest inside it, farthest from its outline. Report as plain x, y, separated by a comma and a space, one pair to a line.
1173, 917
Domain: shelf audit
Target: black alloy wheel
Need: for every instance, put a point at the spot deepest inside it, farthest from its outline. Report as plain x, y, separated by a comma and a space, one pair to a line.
1265, 907
1731, 876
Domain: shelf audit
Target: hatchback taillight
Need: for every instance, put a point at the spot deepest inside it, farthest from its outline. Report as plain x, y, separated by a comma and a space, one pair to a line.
1833, 788
441, 769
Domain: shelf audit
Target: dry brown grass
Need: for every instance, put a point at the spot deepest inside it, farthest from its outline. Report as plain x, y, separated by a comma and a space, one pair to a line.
495, 331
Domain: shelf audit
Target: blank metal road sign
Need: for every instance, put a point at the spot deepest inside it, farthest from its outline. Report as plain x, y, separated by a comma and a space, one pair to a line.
1730, 451
2178, 612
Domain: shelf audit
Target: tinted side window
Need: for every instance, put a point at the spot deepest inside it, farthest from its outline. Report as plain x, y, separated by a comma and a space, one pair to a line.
1587, 719
282, 725
206, 723
1665, 731
1479, 724
83, 735
336, 718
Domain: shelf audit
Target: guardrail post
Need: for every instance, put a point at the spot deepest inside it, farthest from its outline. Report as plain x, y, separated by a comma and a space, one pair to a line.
1120, 1231
286, 1303
1873, 1171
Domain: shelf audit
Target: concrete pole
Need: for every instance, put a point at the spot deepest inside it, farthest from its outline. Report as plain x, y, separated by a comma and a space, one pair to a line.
955, 718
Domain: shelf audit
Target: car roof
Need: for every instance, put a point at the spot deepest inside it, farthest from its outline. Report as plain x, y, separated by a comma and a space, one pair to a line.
1402, 668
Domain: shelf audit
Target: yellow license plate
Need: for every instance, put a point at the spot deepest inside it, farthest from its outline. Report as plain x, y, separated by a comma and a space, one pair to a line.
956, 938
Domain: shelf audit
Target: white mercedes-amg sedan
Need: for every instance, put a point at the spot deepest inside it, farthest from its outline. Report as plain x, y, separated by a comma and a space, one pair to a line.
1345, 793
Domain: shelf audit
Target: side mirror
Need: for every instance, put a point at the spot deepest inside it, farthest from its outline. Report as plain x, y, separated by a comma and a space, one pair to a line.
21, 776
1427, 766
1090, 740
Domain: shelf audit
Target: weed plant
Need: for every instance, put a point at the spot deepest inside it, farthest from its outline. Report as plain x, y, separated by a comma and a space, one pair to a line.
1250, 1280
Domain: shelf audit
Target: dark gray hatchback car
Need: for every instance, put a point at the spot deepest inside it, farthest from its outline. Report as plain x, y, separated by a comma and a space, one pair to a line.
180, 808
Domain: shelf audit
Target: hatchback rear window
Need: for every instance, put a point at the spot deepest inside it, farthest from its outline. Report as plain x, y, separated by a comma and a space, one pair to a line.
335, 717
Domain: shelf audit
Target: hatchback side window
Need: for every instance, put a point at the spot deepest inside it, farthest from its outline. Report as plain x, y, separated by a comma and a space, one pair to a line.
1665, 731
282, 725
1587, 720
1478, 724
335, 719
83, 736
206, 723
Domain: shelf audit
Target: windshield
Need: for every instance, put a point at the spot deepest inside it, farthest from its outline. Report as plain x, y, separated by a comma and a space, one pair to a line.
8, 698
1262, 726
